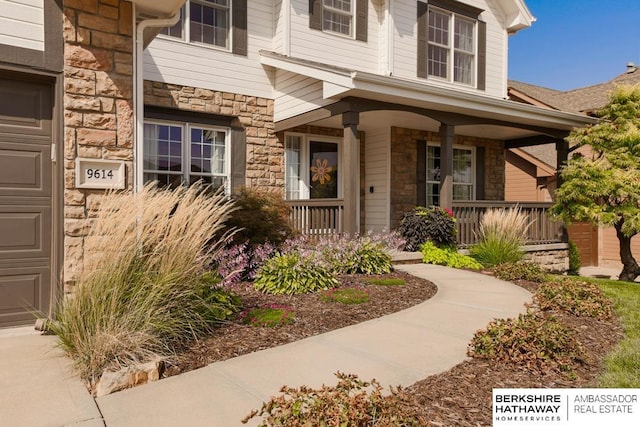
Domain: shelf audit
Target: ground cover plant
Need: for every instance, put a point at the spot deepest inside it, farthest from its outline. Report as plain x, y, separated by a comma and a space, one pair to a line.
385, 282
447, 256
521, 270
502, 233
142, 289
346, 295
578, 297
269, 317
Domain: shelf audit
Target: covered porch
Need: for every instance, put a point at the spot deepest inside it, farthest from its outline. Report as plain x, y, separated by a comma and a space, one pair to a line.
403, 144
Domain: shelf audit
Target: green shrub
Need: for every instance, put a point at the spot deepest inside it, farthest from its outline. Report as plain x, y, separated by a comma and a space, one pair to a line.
344, 254
260, 218
574, 259
532, 340
433, 224
292, 273
502, 233
448, 256
141, 289
347, 296
219, 304
577, 297
386, 282
522, 270
269, 317
352, 402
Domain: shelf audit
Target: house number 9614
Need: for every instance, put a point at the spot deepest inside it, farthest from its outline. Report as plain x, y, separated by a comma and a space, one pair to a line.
99, 174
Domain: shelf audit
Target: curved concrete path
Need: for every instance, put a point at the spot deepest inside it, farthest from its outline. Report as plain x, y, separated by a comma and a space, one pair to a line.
398, 349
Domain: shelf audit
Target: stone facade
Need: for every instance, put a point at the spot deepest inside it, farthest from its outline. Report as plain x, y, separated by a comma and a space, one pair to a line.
404, 160
552, 259
98, 107
265, 151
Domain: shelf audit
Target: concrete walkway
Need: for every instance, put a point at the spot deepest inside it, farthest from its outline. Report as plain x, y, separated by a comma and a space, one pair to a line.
398, 349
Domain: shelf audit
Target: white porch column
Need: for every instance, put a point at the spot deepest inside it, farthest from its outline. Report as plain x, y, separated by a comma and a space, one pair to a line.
351, 172
446, 165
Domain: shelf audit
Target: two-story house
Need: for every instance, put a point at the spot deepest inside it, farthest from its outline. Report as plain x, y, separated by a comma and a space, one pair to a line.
355, 111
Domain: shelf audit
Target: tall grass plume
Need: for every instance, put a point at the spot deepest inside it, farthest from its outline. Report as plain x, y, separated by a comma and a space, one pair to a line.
502, 233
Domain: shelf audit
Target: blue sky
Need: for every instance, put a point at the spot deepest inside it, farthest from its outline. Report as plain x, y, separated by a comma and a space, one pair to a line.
576, 43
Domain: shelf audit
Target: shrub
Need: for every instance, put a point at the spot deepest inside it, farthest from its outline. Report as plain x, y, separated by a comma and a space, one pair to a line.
347, 296
433, 224
260, 218
386, 282
579, 298
502, 233
344, 254
269, 317
352, 402
522, 270
141, 290
574, 259
241, 262
533, 340
448, 256
292, 273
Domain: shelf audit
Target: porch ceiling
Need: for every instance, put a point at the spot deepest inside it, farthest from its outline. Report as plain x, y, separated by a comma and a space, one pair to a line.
471, 113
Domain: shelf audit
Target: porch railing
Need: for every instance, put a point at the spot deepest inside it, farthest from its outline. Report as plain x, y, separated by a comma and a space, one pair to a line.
317, 216
542, 230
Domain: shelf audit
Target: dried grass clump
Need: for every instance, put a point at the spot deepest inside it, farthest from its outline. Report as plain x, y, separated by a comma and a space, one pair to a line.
502, 232
140, 288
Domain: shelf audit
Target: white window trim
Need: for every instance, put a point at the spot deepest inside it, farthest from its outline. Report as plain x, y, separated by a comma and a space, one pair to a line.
186, 29
470, 148
351, 14
452, 49
305, 174
186, 150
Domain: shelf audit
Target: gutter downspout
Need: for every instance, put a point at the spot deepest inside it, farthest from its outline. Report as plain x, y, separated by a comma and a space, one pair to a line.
138, 87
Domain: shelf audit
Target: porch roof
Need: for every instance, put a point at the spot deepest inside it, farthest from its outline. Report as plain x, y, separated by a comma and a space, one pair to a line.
449, 105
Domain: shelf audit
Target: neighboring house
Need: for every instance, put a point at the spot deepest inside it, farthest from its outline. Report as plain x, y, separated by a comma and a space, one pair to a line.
598, 246
355, 111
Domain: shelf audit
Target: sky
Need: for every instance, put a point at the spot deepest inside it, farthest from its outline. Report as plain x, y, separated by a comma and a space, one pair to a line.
576, 43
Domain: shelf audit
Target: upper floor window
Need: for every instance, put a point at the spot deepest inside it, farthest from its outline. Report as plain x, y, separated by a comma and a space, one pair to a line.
451, 42
218, 23
344, 17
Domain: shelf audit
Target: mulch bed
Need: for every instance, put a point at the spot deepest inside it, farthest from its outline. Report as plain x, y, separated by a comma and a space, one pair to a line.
460, 397
312, 317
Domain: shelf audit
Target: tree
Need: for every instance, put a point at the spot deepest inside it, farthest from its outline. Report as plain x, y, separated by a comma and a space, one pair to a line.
604, 188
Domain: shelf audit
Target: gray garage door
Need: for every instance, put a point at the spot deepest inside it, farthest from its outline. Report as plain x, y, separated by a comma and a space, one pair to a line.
25, 200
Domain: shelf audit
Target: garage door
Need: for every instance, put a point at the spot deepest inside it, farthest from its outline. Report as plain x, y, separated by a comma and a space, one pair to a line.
585, 236
25, 200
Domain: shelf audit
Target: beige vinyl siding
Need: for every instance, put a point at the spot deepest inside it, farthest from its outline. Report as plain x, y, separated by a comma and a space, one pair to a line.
22, 23
405, 47
333, 49
178, 62
377, 176
296, 94
611, 247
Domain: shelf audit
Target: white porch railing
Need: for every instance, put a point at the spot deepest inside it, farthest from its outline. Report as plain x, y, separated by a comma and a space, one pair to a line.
317, 216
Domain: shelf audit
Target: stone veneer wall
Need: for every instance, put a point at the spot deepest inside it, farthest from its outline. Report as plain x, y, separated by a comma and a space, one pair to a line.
265, 152
404, 160
98, 107
553, 259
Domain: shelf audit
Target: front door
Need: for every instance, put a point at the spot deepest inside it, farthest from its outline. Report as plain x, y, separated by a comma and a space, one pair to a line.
25, 200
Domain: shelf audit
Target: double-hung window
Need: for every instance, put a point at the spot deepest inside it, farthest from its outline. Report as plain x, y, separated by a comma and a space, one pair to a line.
312, 167
451, 43
217, 23
347, 18
337, 16
463, 174
177, 153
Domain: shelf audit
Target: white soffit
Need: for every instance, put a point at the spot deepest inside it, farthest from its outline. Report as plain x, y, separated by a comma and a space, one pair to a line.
158, 8
517, 15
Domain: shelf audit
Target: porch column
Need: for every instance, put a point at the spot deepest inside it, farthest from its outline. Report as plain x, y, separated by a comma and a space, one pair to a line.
562, 155
446, 165
351, 174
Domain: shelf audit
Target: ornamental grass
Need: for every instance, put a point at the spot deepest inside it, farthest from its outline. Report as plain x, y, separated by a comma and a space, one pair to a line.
502, 233
141, 289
